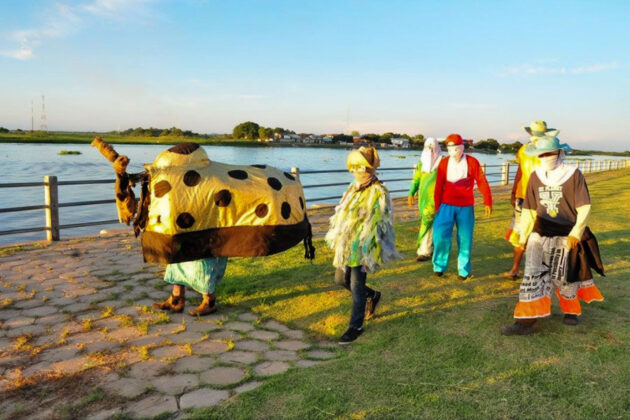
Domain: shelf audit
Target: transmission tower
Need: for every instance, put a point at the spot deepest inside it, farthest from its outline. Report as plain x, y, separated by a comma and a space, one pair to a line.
32, 116
44, 122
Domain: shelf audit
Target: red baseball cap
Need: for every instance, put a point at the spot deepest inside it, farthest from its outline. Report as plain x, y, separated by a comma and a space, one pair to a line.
453, 140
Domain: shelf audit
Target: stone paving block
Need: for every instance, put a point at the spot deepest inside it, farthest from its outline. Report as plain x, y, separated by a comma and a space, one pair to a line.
109, 323
85, 337
281, 355
147, 340
52, 319
270, 368
164, 329
127, 387
71, 327
251, 345
248, 316
307, 363
222, 375
185, 337
168, 352
128, 310
210, 347
321, 354
112, 303
71, 366
104, 414
147, 369
42, 340
225, 335
123, 334
204, 397
238, 326
193, 364
296, 334
153, 405
201, 326
244, 357
18, 322
248, 386
264, 335
27, 330
294, 345
276, 326
175, 384
102, 346
30, 304
92, 315
9, 313
36, 369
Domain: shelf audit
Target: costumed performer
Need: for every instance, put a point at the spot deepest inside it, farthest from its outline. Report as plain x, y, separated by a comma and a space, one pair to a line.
560, 246
423, 184
454, 206
526, 165
362, 236
194, 213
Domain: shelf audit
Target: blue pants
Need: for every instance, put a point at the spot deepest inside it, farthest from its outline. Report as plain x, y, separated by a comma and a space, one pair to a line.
464, 219
353, 279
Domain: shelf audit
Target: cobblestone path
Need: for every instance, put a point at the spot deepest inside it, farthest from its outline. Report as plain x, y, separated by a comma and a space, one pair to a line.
78, 335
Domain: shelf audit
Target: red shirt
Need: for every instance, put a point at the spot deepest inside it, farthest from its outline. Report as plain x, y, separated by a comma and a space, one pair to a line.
460, 193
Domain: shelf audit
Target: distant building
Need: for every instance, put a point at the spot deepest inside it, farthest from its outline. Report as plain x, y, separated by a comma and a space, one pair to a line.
400, 142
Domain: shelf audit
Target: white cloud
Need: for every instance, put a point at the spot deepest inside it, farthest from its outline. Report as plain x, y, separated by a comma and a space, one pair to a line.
64, 20
529, 69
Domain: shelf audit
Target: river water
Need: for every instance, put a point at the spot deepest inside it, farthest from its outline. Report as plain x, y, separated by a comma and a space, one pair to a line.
31, 162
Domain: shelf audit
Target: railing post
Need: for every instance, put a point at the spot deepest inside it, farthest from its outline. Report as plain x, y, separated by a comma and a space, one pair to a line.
590, 166
505, 173
295, 172
483, 168
51, 200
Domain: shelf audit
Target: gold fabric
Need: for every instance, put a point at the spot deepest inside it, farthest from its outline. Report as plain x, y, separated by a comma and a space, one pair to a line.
190, 193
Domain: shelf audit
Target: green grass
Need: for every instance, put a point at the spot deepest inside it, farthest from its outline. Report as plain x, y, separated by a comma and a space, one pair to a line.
434, 350
69, 152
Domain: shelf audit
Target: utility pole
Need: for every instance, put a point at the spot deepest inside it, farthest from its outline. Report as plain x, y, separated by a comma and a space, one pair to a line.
44, 122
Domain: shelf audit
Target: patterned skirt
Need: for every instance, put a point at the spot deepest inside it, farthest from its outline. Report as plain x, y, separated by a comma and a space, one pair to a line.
546, 270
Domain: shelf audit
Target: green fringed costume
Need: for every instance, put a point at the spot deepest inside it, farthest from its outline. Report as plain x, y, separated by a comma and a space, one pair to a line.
423, 183
362, 228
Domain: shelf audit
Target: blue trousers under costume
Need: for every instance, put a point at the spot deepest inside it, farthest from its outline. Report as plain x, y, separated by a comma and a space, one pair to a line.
464, 219
203, 275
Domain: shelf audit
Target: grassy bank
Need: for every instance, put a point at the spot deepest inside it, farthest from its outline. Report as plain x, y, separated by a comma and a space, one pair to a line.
435, 350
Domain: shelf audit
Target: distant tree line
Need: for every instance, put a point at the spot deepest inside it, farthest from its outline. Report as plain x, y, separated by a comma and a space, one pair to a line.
249, 130
159, 132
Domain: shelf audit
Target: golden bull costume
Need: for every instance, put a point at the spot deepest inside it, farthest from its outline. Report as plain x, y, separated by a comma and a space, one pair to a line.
195, 208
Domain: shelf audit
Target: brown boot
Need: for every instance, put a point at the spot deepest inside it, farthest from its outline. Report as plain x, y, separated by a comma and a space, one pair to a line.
173, 304
207, 306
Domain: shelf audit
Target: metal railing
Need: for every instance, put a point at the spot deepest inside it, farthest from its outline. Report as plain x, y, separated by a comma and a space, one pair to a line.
503, 176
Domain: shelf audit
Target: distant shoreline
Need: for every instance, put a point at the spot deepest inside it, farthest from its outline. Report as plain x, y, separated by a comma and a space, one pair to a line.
86, 138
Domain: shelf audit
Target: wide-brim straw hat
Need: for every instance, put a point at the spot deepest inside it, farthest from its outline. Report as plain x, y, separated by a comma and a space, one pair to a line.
539, 128
363, 157
546, 144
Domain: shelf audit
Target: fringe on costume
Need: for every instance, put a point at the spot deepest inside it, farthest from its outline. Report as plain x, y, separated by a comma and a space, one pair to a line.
362, 229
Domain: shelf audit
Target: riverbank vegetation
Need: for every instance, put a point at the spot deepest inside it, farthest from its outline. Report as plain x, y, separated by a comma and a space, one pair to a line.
252, 134
434, 350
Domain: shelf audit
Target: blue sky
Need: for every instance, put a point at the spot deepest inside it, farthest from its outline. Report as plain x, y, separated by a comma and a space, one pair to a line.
480, 68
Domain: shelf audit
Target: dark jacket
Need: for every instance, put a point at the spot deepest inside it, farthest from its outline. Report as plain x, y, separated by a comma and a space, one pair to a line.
584, 257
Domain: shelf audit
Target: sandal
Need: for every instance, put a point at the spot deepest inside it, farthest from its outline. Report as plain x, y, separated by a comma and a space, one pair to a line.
173, 304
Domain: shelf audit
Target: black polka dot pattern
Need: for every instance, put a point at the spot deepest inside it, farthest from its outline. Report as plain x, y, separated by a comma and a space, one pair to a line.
301, 203
260, 166
185, 220
288, 175
192, 178
262, 210
238, 174
223, 198
274, 183
184, 148
161, 188
285, 210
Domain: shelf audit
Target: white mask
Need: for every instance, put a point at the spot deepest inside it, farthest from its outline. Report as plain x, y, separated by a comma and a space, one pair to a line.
548, 163
456, 152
